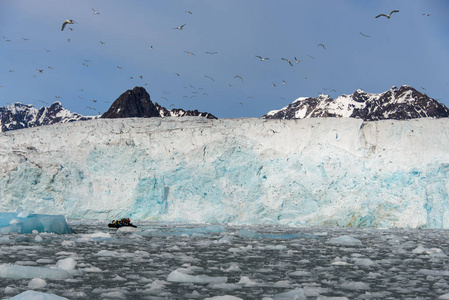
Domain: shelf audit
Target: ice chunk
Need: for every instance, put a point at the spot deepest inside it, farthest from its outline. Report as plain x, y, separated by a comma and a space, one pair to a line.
180, 276
297, 294
344, 240
32, 295
37, 283
225, 297
26, 223
354, 285
66, 264
17, 272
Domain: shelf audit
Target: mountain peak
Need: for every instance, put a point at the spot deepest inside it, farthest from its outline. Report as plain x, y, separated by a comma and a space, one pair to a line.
136, 103
396, 103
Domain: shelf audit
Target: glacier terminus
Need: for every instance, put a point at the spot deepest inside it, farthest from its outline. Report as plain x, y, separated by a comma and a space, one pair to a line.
305, 172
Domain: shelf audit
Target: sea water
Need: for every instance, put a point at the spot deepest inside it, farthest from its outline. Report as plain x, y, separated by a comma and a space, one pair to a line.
186, 261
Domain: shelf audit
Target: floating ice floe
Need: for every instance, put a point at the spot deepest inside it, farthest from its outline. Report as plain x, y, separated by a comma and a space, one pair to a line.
24, 222
344, 240
18, 272
180, 275
32, 295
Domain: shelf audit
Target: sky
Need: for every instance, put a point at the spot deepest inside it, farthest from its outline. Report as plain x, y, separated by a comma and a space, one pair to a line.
116, 45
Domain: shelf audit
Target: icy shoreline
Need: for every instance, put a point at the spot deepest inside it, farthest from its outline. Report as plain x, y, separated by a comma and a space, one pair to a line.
310, 172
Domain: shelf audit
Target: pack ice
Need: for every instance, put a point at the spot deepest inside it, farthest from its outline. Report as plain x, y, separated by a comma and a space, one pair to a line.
24, 222
318, 171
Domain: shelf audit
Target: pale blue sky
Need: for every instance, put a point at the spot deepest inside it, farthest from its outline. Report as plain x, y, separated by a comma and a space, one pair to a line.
409, 48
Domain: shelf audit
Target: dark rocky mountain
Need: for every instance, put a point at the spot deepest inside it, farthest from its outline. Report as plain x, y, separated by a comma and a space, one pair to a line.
400, 104
137, 103
18, 116
132, 103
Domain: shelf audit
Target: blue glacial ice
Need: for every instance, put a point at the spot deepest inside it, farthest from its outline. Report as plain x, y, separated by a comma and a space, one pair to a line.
24, 222
318, 172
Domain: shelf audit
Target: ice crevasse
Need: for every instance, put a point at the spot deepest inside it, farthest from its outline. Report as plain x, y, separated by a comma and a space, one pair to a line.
318, 172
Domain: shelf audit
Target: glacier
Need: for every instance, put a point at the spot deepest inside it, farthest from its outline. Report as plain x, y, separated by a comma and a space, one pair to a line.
308, 172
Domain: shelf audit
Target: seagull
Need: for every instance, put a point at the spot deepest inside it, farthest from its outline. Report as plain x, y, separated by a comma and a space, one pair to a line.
180, 27
364, 34
70, 28
261, 58
426, 15
189, 53
283, 81
274, 84
177, 74
84, 64
40, 70
238, 76
67, 22
321, 46
287, 61
140, 76
51, 68
151, 47
188, 11
68, 40
26, 39
120, 67
6, 40
209, 77
388, 16
101, 42
211, 53
310, 56
296, 60
95, 12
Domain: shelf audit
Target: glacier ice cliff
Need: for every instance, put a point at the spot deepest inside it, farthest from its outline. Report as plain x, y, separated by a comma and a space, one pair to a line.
322, 171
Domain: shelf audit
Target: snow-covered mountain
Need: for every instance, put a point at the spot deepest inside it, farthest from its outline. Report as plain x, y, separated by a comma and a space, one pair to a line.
315, 171
133, 103
399, 104
136, 103
18, 116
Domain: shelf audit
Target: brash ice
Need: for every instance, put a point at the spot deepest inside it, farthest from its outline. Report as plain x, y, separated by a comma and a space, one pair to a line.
318, 171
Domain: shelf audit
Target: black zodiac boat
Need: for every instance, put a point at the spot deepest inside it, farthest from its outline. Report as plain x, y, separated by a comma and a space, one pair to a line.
121, 225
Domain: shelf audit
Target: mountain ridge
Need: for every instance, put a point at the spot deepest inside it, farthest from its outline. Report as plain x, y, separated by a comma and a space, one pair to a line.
397, 103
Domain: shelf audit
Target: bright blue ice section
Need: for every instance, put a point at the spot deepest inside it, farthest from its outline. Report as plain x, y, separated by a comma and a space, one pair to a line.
11, 222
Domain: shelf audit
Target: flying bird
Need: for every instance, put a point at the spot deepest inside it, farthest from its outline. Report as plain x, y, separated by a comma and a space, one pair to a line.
189, 53
95, 12
209, 77
426, 15
120, 67
180, 27
274, 84
26, 39
177, 74
101, 42
388, 16
364, 34
211, 53
287, 61
6, 40
188, 11
321, 46
238, 76
67, 22
261, 58
296, 60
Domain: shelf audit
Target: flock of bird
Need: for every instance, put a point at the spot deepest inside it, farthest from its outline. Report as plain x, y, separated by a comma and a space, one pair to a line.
197, 91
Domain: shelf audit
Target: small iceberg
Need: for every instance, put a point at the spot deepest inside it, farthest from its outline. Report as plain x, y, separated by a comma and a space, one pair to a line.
25, 222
